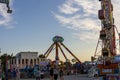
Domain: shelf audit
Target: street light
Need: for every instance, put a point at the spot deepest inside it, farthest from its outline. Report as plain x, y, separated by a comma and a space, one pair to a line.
74, 61
119, 42
7, 5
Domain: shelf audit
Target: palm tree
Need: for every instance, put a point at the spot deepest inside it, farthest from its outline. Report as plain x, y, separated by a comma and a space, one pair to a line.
4, 58
41, 56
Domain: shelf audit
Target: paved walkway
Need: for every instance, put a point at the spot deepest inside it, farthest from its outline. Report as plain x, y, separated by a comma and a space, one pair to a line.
70, 77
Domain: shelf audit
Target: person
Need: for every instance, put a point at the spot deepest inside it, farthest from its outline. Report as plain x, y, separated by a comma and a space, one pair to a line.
17, 74
14, 74
55, 73
37, 74
96, 77
42, 74
61, 74
3, 75
51, 74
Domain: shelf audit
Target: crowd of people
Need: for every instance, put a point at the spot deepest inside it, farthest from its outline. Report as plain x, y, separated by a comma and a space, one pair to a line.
14, 75
54, 74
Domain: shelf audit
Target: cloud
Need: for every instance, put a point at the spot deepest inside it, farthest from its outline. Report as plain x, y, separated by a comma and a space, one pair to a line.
82, 15
68, 8
77, 23
116, 13
6, 19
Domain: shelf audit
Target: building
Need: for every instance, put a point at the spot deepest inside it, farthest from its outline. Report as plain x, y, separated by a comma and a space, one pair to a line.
23, 59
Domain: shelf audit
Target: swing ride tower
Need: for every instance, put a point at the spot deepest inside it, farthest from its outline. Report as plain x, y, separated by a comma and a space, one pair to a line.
58, 45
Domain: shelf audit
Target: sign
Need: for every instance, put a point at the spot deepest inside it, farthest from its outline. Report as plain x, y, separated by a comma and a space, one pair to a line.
107, 70
43, 63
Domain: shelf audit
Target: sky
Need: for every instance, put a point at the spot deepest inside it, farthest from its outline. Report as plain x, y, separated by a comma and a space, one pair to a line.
33, 24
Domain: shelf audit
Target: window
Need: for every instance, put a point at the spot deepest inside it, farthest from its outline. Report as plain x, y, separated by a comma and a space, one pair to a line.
15, 61
22, 61
31, 61
34, 61
19, 61
26, 61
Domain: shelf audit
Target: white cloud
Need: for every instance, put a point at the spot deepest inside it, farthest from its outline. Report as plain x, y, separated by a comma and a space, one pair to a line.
68, 8
78, 23
86, 35
6, 19
82, 15
116, 13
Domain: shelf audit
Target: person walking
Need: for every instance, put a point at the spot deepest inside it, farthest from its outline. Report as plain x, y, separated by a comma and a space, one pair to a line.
55, 73
17, 74
61, 74
3, 75
37, 74
51, 74
14, 74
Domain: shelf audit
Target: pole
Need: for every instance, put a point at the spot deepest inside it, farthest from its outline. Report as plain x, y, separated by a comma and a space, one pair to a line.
76, 68
119, 42
0, 56
6, 68
56, 57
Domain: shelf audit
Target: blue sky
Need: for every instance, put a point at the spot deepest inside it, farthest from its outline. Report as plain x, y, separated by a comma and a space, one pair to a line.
34, 23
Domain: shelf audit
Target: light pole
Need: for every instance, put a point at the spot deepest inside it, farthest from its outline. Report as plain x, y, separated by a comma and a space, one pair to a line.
74, 61
0, 62
0, 56
119, 42
7, 5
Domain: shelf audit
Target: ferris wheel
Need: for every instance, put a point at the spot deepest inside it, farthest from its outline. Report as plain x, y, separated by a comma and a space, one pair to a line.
105, 57
108, 30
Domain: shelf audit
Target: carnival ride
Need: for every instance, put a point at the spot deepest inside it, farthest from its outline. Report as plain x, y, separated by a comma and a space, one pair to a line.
107, 39
7, 5
57, 43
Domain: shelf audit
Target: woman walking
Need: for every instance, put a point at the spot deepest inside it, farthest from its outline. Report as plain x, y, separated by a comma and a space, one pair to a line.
61, 74
55, 73
51, 74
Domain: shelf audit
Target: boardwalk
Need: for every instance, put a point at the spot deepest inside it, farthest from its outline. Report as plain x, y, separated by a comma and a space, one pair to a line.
70, 77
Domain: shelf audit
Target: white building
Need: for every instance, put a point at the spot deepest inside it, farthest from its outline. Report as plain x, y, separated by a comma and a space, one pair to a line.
27, 58
23, 59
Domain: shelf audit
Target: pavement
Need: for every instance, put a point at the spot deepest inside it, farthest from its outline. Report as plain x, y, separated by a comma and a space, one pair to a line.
70, 77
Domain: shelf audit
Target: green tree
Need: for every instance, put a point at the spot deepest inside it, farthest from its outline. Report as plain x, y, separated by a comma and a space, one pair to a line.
41, 56
4, 58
